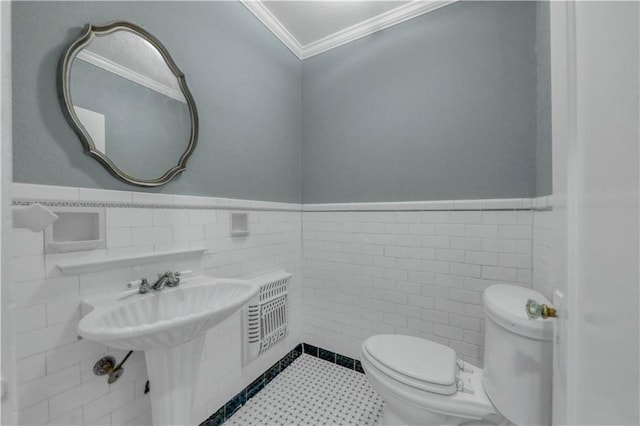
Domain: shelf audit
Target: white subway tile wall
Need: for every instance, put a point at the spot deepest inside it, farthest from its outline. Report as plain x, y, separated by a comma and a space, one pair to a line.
414, 273
54, 369
406, 271
543, 252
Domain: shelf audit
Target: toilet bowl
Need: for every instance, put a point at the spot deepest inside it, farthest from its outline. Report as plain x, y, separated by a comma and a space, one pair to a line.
424, 383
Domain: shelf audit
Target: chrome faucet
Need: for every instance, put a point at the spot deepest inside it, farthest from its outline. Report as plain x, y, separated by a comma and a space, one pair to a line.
168, 279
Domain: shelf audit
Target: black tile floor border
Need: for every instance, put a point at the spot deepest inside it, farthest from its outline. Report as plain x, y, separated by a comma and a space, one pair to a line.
227, 410
333, 357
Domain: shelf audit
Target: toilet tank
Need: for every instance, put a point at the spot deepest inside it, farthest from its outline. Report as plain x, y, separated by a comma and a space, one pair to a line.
517, 356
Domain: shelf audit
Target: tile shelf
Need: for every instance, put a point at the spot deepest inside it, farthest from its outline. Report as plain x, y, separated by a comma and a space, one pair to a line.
107, 263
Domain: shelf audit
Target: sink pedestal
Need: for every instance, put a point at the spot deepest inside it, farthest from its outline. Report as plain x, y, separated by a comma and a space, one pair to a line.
170, 327
172, 376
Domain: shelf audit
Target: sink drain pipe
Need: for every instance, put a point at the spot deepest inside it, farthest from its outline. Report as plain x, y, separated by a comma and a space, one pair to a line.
107, 365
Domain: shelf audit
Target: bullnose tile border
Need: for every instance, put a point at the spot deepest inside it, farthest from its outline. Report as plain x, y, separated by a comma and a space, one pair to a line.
539, 203
62, 196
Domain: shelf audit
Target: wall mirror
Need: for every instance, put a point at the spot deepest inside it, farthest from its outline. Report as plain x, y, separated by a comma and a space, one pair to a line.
129, 103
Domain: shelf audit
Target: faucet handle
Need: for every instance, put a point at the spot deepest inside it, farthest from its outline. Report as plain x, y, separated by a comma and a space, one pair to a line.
134, 283
143, 285
174, 277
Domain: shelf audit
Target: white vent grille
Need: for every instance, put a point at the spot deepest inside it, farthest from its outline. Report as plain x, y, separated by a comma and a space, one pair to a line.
266, 315
273, 322
274, 289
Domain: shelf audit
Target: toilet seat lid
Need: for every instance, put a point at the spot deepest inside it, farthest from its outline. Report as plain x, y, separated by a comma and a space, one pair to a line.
416, 358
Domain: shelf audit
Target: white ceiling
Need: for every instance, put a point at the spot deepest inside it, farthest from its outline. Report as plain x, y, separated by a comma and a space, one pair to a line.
310, 27
310, 21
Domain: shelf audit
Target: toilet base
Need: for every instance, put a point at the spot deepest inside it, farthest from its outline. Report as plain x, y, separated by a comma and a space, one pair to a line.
391, 417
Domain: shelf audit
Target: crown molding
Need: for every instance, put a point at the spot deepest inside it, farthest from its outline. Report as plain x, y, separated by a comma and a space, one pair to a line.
265, 16
124, 72
378, 23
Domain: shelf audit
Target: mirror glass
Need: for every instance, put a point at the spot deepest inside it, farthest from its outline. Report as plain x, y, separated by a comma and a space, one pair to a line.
130, 102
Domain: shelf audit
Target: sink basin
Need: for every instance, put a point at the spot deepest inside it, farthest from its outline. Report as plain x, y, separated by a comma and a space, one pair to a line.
133, 321
169, 326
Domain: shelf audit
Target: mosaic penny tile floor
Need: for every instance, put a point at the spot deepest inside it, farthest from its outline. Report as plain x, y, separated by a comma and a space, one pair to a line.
312, 391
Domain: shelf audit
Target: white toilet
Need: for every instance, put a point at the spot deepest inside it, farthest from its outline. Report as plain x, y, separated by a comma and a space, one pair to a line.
424, 383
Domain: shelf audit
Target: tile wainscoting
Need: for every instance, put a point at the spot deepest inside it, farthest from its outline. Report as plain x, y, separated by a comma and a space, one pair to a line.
412, 268
358, 269
543, 252
54, 369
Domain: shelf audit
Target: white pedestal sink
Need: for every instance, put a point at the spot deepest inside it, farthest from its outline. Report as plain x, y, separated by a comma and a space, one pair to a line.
169, 326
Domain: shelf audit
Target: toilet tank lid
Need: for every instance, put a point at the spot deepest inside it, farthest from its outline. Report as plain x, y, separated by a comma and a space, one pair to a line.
416, 358
505, 304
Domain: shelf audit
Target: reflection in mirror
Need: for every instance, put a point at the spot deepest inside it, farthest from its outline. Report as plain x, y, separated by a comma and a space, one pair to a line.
129, 103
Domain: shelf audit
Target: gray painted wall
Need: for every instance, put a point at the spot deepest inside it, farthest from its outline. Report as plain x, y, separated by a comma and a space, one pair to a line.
246, 84
450, 105
440, 107
544, 184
